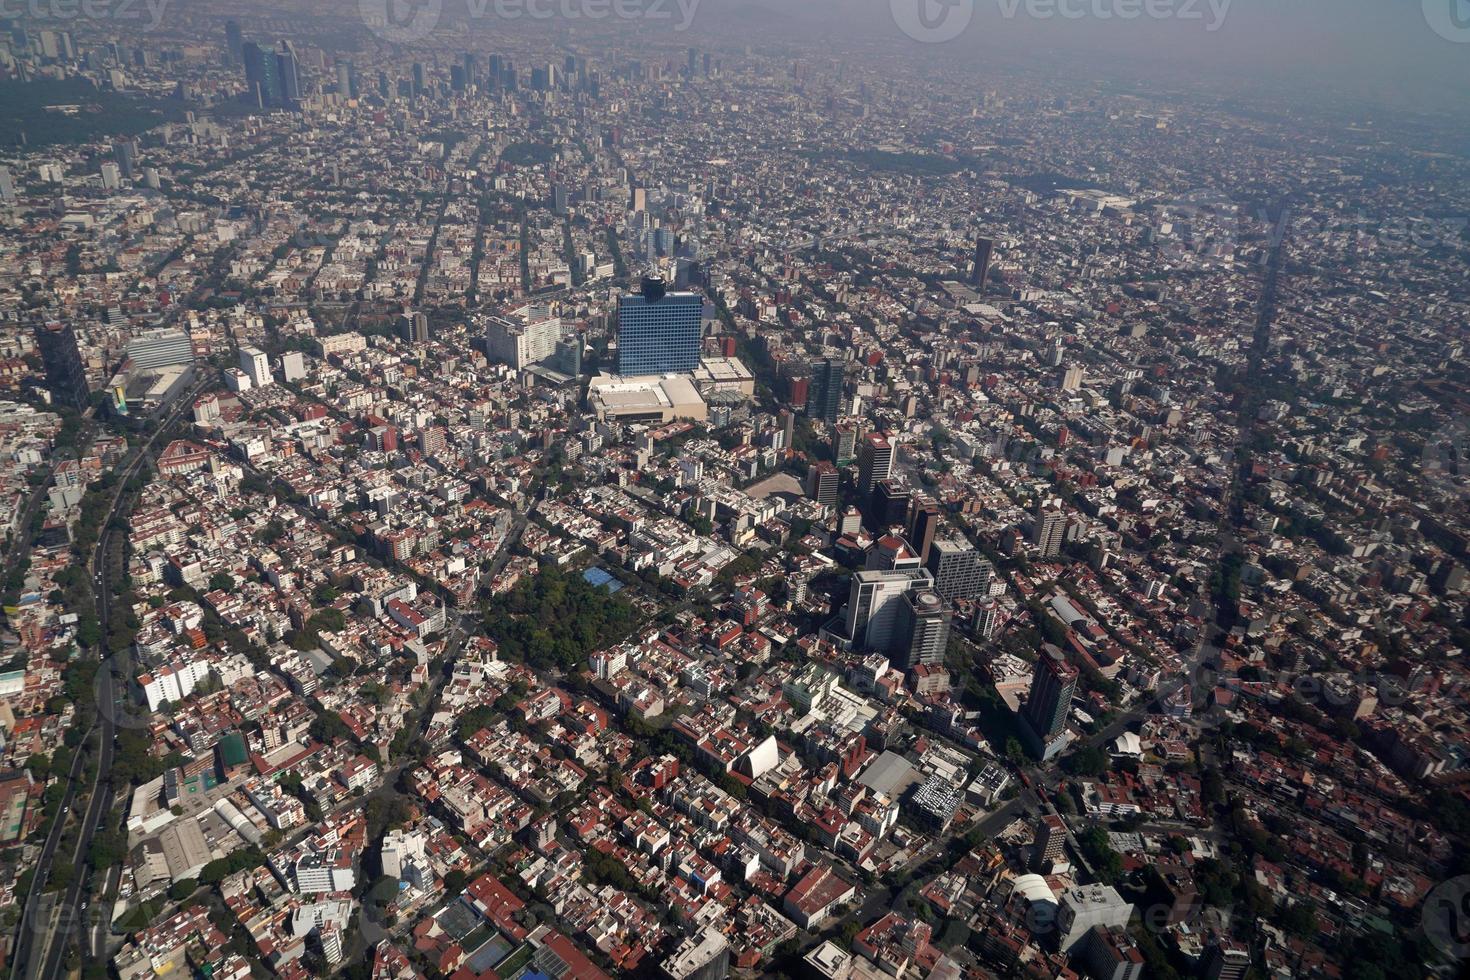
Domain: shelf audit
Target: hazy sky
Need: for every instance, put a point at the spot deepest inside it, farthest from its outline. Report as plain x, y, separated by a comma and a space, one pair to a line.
1379, 50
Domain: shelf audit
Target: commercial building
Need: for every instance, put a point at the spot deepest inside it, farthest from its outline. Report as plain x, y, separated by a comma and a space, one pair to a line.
1044, 716
959, 571
874, 605
61, 360
645, 399
659, 331
875, 461
256, 366
159, 348
926, 629
1082, 907
526, 336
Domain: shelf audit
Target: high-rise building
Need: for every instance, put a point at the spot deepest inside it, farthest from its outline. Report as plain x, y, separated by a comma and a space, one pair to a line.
959, 571
1081, 907
413, 327
923, 522
346, 84
1044, 715
889, 505
1111, 954
1226, 959
844, 442
126, 152
263, 76
111, 176
1071, 377
7, 186
821, 483
256, 366
418, 79
1050, 841
286, 64
925, 632
1048, 531
984, 249
61, 360
875, 461
658, 331
525, 337
234, 41
874, 601
824, 391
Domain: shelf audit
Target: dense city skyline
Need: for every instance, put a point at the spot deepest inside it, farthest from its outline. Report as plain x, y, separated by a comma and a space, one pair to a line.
852, 489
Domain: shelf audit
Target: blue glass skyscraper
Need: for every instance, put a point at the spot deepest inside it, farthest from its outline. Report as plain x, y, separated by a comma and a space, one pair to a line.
659, 331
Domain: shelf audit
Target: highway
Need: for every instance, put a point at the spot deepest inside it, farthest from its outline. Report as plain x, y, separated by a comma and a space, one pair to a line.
57, 924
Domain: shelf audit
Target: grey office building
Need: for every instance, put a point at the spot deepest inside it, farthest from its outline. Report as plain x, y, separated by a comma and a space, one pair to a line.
959, 571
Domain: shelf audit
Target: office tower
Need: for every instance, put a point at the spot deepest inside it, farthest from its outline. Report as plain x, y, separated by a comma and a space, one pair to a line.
889, 505
1226, 959
525, 337
658, 331
234, 42
959, 571
568, 356
345, 86
7, 186
693, 62
256, 366
874, 601
385, 87
922, 523
984, 249
160, 348
413, 328
1044, 715
1071, 377
925, 632
61, 360
263, 76
821, 483
824, 394
1047, 532
471, 68
875, 462
1050, 841
418, 79
457, 80
987, 618
111, 176
844, 443
290, 81
1111, 954
1081, 907
126, 152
